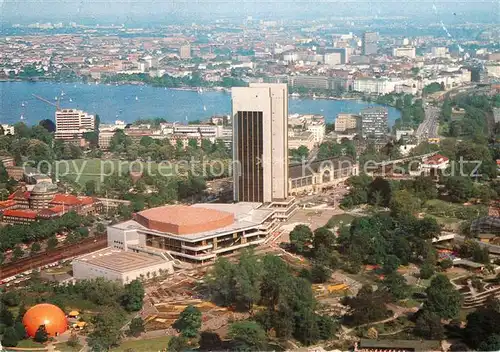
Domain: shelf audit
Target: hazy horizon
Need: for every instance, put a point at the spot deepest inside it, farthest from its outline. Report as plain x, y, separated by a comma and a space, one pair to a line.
159, 11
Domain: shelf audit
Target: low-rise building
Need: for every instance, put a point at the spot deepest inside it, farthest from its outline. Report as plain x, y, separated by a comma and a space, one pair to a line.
122, 266
319, 175
197, 233
345, 122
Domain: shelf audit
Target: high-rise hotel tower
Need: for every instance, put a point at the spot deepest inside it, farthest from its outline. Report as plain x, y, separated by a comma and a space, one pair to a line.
260, 142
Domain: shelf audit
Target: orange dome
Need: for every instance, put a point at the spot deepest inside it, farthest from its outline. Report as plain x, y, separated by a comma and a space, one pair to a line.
45, 314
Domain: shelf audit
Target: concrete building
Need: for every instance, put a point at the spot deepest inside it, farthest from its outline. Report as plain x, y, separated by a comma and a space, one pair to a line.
320, 175
197, 233
332, 59
404, 134
345, 122
406, 51
304, 138
185, 51
72, 123
370, 43
260, 142
8, 129
379, 86
121, 266
374, 122
439, 51
344, 54
311, 82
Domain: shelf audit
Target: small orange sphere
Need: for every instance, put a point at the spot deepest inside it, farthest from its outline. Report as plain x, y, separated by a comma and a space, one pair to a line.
46, 314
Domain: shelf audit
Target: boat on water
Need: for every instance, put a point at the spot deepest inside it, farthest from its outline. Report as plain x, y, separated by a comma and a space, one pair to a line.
70, 100
62, 93
204, 108
200, 90
295, 95
136, 98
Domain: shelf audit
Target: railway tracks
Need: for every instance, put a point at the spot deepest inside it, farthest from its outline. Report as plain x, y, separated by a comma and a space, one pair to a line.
41, 259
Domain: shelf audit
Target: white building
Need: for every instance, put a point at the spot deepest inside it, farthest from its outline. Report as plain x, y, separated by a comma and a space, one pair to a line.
439, 51
8, 129
333, 59
318, 131
72, 123
122, 266
407, 51
378, 86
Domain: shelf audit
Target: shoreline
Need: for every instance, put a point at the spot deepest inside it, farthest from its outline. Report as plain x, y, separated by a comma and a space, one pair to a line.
199, 89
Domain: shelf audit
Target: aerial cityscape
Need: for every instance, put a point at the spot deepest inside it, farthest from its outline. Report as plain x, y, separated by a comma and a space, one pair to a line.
249, 176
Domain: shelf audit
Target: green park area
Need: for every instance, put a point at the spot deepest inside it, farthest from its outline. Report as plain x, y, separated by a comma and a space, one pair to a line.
144, 345
83, 170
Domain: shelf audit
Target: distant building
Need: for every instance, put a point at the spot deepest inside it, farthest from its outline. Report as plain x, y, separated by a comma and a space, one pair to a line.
374, 122
332, 59
185, 51
297, 139
404, 134
408, 51
44, 202
311, 82
345, 122
8, 129
321, 174
260, 142
439, 51
71, 124
370, 43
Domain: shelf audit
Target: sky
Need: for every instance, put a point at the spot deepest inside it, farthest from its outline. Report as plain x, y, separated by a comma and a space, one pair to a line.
120, 11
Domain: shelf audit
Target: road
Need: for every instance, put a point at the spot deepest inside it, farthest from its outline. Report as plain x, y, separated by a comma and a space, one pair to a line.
429, 128
41, 259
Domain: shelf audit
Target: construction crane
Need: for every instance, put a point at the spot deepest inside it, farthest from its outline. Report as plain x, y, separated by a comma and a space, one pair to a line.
48, 102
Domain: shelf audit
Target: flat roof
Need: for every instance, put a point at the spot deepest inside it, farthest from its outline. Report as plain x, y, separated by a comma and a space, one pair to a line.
246, 215
120, 261
417, 345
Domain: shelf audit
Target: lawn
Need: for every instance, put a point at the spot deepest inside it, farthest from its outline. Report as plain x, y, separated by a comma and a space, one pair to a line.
64, 347
83, 170
150, 345
28, 343
336, 220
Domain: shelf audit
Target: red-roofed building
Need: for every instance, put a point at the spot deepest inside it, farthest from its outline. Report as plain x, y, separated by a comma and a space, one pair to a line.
45, 203
19, 216
436, 161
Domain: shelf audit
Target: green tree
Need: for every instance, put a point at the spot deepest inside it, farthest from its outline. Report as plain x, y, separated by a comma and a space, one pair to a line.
320, 273
391, 264
41, 334
446, 264
426, 271
52, 243
481, 324
10, 337
20, 330
90, 187
177, 344
492, 343
396, 285
106, 331
210, 341
404, 203
323, 237
459, 188
132, 299
428, 326
248, 336
35, 247
11, 298
136, 327
17, 253
300, 237
442, 298
189, 322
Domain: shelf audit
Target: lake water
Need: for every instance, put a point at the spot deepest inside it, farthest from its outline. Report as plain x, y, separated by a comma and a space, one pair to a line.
131, 102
